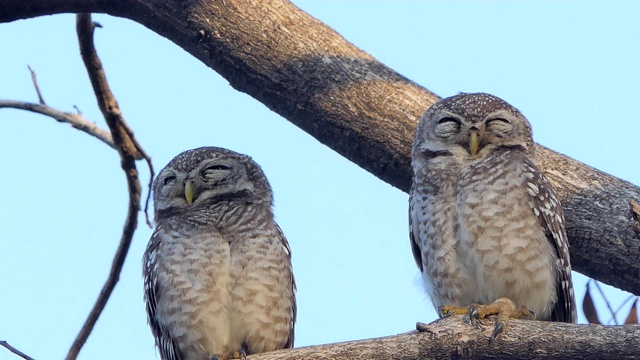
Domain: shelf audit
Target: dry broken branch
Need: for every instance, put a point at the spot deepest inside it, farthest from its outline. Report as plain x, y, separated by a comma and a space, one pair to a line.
15, 351
34, 79
77, 121
129, 150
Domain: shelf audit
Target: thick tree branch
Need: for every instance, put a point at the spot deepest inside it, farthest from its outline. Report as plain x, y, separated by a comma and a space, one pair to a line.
339, 94
452, 338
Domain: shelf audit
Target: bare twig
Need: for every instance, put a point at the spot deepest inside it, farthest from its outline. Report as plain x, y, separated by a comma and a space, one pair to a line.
122, 139
146, 157
129, 151
150, 186
606, 301
588, 308
15, 351
632, 317
77, 121
631, 297
35, 84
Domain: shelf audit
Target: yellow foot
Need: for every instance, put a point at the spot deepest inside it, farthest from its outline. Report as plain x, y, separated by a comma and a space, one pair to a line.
450, 310
504, 308
236, 354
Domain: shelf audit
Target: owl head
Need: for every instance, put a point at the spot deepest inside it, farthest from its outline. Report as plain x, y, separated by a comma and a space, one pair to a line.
472, 126
199, 177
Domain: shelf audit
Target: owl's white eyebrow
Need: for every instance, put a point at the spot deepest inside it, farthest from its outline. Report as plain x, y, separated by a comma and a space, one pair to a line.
504, 114
444, 114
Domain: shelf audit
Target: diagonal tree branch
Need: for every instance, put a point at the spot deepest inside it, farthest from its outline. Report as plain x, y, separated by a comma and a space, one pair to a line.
129, 150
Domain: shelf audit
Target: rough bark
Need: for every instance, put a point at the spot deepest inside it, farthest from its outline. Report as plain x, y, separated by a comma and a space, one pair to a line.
452, 338
313, 77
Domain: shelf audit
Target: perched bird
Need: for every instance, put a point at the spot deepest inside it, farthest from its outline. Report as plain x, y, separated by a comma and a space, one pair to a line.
218, 281
486, 227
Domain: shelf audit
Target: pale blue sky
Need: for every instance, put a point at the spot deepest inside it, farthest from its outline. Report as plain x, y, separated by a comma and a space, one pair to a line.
571, 67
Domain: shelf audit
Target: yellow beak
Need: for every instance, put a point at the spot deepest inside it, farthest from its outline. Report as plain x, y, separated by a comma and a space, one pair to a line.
474, 143
189, 192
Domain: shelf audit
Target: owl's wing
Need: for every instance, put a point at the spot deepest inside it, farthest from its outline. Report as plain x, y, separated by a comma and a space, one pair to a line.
167, 347
414, 233
547, 208
285, 243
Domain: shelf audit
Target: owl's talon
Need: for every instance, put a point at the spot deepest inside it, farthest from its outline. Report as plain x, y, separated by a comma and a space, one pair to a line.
240, 354
505, 309
422, 327
474, 312
500, 325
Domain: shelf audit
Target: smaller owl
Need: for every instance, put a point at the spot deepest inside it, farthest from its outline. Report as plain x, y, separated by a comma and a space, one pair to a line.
486, 226
218, 280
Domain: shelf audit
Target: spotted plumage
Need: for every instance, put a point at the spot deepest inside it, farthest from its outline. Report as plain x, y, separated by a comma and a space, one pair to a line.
218, 281
484, 221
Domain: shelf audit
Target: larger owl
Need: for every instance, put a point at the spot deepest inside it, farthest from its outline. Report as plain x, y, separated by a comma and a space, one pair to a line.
218, 281
486, 227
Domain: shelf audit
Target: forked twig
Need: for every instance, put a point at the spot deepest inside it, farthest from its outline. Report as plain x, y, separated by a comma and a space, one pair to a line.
122, 139
76, 121
129, 151
606, 301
